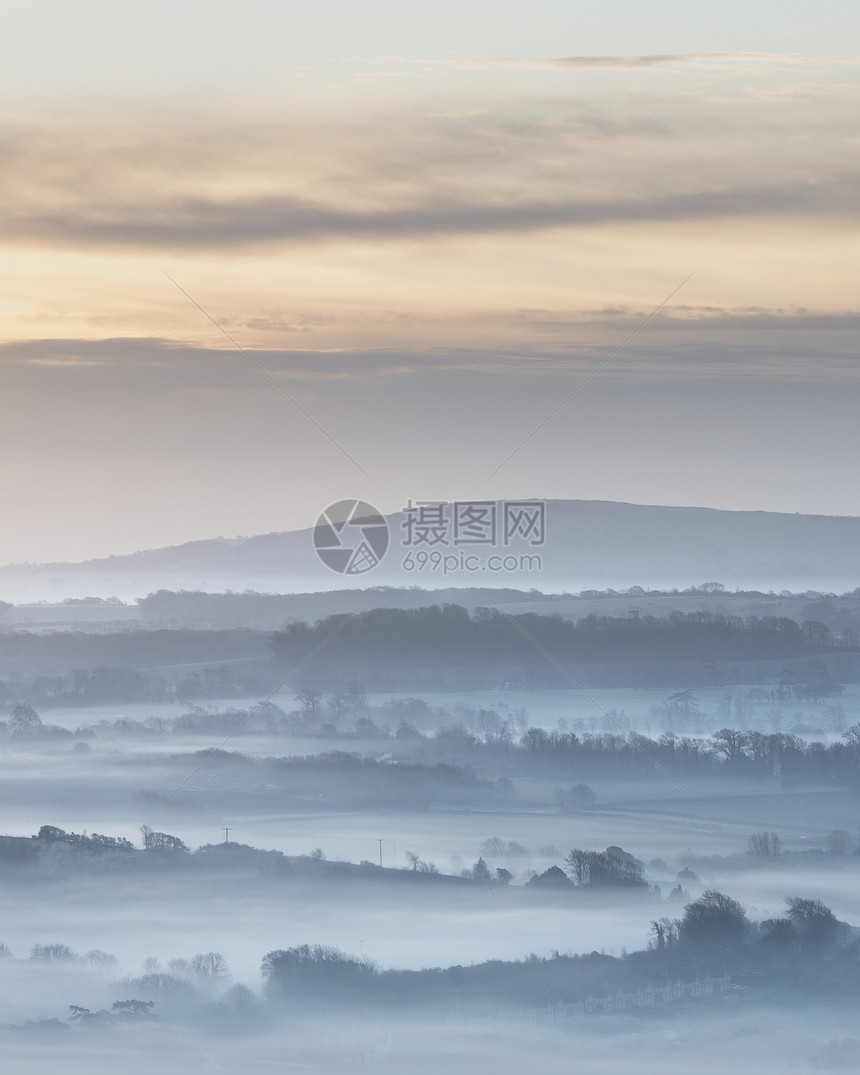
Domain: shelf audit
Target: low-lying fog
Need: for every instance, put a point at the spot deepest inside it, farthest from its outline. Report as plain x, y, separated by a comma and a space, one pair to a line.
637, 708
409, 927
114, 783
178, 915
764, 1040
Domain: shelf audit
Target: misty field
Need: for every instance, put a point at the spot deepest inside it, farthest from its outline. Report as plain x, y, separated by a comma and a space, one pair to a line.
157, 856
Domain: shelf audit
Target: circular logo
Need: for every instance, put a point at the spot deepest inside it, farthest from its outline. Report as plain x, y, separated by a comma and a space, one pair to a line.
351, 537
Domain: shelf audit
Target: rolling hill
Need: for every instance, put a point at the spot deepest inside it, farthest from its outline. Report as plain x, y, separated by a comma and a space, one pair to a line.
588, 544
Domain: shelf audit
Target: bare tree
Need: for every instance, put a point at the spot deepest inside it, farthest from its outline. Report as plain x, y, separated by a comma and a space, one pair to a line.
210, 967
766, 845
852, 735
310, 701
97, 957
664, 933
52, 953
730, 742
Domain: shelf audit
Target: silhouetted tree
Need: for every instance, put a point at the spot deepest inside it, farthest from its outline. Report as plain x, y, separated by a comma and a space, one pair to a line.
99, 958
665, 933
480, 871
815, 923
51, 833
731, 743
610, 868
764, 845
314, 967
210, 967
310, 701
134, 1009
52, 953
553, 878
161, 841
25, 720
838, 842
713, 918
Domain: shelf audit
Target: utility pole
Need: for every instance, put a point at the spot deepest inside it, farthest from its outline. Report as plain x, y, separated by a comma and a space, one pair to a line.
380, 853
226, 836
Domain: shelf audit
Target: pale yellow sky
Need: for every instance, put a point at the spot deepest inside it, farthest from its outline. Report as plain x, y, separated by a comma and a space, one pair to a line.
428, 251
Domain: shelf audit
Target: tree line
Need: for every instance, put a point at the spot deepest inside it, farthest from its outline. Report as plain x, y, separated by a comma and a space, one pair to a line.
449, 632
803, 952
419, 648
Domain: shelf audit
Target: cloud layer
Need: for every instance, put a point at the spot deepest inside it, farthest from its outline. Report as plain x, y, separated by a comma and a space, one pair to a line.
718, 145
428, 256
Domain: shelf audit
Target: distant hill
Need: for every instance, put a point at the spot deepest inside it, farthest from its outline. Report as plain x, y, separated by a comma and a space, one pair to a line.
588, 544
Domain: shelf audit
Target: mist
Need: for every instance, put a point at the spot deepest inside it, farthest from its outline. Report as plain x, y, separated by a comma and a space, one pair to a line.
404, 841
429, 583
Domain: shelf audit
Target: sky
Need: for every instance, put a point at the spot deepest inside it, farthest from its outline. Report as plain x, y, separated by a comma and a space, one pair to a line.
261, 257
